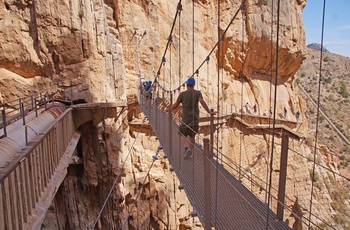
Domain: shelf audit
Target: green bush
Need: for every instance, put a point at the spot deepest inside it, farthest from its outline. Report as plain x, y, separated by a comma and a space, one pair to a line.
343, 90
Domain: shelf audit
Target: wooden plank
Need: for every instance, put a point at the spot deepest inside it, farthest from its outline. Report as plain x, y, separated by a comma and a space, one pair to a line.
39, 169
22, 180
42, 165
47, 196
55, 149
44, 159
17, 192
48, 156
5, 213
35, 177
28, 185
12, 202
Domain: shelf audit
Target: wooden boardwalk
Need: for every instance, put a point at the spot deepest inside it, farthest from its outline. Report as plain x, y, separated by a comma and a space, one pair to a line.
231, 204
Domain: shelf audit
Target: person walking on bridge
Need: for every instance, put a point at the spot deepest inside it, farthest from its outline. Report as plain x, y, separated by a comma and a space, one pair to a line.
190, 115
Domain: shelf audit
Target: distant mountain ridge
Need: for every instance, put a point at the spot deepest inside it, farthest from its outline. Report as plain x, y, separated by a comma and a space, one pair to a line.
317, 47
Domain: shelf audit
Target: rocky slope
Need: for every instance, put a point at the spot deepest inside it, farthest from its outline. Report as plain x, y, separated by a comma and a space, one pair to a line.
334, 100
96, 51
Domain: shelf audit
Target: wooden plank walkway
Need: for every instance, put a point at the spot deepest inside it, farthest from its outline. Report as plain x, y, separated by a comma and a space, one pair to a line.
233, 206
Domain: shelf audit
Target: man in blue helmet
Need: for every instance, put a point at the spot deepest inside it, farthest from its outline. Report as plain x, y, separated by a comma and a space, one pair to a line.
190, 115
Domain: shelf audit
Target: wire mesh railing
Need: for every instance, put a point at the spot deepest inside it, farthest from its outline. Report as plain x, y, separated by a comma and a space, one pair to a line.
243, 154
233, 205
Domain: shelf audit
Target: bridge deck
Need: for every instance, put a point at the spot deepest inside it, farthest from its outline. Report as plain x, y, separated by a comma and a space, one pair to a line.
233, 206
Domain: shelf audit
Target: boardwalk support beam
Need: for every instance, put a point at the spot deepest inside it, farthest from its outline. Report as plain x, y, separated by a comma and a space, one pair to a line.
282, 178
211, 133
207, 187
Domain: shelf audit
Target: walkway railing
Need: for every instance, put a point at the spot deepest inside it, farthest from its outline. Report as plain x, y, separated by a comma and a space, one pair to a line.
29, 181
294, 205
219, 199
17, 109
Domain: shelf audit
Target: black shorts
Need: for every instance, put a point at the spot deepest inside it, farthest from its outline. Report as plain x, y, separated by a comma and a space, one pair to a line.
188, 130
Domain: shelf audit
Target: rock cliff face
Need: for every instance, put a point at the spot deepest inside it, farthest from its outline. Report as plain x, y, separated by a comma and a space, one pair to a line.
97, 51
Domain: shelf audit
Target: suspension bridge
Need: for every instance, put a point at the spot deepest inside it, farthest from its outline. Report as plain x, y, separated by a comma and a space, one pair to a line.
38, 142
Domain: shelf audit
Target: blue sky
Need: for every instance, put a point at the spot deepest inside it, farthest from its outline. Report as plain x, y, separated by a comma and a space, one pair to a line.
336, 37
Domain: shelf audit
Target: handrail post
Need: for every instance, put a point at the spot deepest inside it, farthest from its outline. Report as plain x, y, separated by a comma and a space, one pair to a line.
207, 185
211, 134
3, 113
26, 134
22, 112
45, 102
36, 107
282, 177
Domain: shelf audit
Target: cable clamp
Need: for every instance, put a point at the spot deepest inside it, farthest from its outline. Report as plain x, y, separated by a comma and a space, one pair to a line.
179, 7
194, 213
242, 6
154, 158
222, 37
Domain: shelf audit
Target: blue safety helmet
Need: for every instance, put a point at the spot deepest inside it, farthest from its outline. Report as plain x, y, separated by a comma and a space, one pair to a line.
191, 81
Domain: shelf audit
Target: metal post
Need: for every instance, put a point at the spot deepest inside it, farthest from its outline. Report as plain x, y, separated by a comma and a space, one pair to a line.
282, 178
211, 147
4, 121
23, 115
26, 134
36, 107
207, 185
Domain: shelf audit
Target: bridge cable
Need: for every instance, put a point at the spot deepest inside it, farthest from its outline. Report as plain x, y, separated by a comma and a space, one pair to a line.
178, 10
242, 80
274, 114
115, 181
170, 67
193, 101
180, 46
218, 110
270, 104
154, 158
318, 112
214, 47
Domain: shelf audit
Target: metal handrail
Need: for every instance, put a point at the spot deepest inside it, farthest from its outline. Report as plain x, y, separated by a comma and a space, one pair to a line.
14, 110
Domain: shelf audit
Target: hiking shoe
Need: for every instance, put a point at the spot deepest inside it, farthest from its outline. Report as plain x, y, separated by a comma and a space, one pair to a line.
189, 155
185, 151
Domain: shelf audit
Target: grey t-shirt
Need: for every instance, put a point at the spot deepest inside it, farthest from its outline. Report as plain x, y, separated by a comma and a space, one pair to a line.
190, 111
